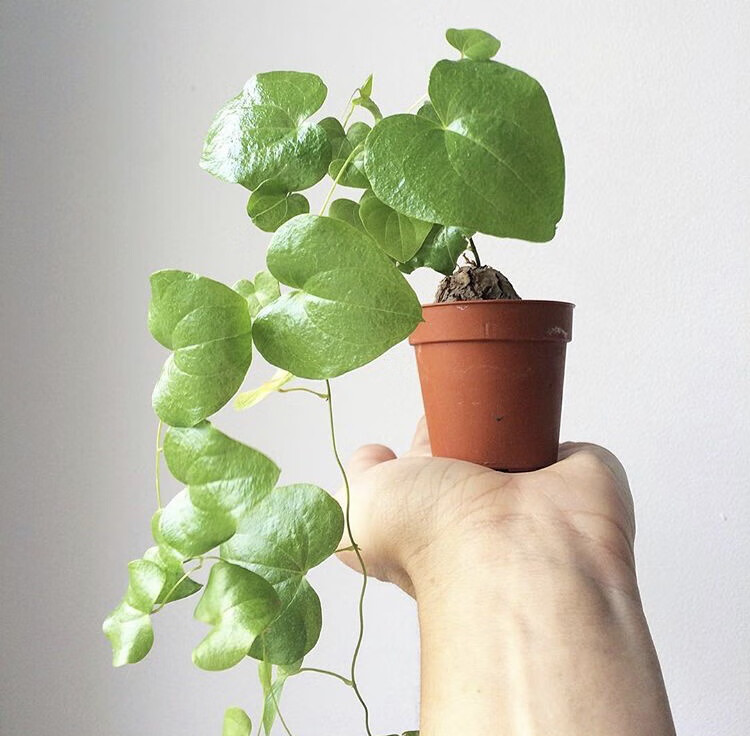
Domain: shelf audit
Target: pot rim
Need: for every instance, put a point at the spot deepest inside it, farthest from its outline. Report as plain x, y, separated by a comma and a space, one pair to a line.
492, 320
494, 301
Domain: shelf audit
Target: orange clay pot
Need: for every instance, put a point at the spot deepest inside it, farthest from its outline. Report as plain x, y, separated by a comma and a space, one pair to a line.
492, 379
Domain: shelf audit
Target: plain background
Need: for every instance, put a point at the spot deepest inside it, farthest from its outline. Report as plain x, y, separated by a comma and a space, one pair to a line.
104, 105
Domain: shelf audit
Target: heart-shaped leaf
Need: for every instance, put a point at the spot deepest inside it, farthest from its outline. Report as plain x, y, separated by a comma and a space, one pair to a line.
270, 206
264, 133
493, 164
259, 292
400, 236
239, 605
342, 146
224, 478
236, 723
349, 303
473, 43
348, 211
128, 627
291, 531
207, 325
440, 251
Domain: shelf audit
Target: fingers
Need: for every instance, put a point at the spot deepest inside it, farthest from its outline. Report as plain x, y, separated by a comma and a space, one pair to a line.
367, 457
420, 445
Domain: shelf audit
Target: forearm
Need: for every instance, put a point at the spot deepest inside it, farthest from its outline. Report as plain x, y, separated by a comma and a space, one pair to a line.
539, 640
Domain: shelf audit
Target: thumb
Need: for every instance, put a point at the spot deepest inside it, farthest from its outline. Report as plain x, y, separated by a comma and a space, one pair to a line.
367, 457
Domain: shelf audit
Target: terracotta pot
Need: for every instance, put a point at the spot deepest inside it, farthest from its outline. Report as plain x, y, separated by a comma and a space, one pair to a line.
492, 380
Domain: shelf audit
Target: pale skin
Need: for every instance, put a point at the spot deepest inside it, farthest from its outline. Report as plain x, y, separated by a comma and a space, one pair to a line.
531, 622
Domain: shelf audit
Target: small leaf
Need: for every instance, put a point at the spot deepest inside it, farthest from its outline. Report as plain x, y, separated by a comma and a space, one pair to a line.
473, 43
207, 325
349, 303
347, 211
366, 89
427, 111
250, 398
440, 251
128, 627
270, 206
272, 689
236, 723
400, 236
260, 292
293, 530
264, 134
494, 164
354, 175
340, 146
239, 605
224, 478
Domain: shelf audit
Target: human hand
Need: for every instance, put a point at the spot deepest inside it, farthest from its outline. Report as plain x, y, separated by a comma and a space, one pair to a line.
418, 515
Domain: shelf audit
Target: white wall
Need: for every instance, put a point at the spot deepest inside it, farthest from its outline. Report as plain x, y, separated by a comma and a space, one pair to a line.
104, 105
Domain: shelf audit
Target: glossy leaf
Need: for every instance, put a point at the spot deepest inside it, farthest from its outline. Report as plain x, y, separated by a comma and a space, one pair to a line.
264, 133
354, 175
239, 605
236, 723
400, 236
348, 211
440, 251
259, 292
270, 206
250, 398
349, 303
293, 530
207, 325
492, 164
225, 479
128, 627
473, 43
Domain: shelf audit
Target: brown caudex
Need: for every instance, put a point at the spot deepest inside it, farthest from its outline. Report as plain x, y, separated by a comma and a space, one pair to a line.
492, 379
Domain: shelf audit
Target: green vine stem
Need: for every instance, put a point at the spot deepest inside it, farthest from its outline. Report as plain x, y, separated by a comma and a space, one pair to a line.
363, 590
157, 474
319, 671
306, 390
348, 160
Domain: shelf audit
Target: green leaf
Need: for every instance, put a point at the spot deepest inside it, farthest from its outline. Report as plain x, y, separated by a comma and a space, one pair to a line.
260, 292
349, 303
272, 689
293, 530
264, 134
473, 43
427, 111
239, 605
440, 251
340, 146
348, 211
225, 479
236, 723
270, 206
207, 325
250, 398
354, 175
400, 236
366, 89
176, 585
128, 627
493, 164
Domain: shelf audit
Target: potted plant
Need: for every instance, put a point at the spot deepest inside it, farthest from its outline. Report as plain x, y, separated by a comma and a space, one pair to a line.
481, 154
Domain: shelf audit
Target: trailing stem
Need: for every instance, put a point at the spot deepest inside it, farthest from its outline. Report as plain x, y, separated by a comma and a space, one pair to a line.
355, 547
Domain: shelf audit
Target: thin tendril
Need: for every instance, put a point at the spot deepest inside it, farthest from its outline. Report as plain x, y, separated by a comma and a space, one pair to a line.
157, 475
343, 679
278, 710
414, 104
306, 390
363, 590
171, 591
348, 160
